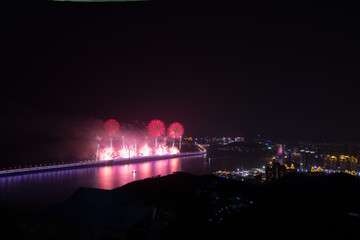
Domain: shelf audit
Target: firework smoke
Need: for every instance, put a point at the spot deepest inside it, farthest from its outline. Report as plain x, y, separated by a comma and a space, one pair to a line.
48, 138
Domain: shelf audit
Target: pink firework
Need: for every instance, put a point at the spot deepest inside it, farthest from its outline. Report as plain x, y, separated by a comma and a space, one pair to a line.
112, 126
161, 150
107, 154
156, 128
174, 150
128, 152
145, 150
176, 130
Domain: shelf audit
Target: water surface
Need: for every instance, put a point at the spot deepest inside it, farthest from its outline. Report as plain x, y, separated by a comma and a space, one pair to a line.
38, 190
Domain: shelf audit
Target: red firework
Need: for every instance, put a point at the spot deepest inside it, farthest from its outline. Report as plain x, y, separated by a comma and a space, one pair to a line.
176, 130
156, 128
112, 126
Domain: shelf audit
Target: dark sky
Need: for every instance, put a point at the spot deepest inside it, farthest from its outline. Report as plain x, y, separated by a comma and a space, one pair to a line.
286, 71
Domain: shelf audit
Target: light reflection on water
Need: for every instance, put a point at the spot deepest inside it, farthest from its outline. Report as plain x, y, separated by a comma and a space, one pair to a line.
38, 190
46, 188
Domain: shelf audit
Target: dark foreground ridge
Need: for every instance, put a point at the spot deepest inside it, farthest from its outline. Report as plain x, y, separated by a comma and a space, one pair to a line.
184, 206
295, 205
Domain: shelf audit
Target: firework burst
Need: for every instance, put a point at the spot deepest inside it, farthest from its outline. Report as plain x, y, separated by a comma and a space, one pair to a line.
176, 130
128, 151
156, 128
161, 150
112, 126
145, 150
107, 154
174, 150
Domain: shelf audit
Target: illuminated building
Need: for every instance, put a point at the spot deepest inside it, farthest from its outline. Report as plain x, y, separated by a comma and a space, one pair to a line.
306, 156
342, 162
330, 162
239, 139
274, 170
316, 172
291, 168
295, 157
348, 163
280, 153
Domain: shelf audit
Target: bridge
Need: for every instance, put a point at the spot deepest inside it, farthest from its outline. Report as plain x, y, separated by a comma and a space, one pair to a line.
93, 163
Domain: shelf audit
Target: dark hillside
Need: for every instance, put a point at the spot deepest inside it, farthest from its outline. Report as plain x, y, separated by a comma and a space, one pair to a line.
319, 206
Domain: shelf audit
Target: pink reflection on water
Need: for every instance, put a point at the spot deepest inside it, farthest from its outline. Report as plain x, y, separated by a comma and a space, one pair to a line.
110, 177
45, 188
145, 169
159, 167
106, 175
174, 165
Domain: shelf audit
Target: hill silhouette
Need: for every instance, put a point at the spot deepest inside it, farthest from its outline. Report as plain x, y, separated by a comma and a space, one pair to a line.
297, 204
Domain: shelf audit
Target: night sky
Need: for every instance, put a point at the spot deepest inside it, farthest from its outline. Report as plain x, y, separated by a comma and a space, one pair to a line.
285, 71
